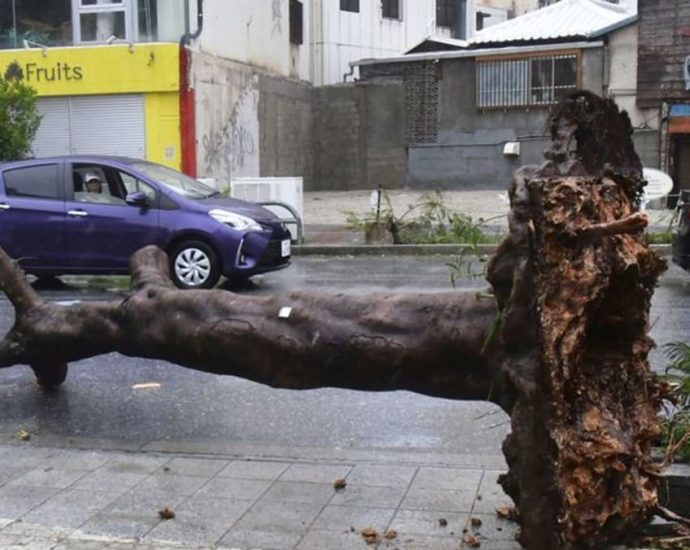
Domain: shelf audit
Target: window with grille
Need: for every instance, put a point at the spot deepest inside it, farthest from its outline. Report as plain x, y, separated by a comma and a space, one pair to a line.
526, 81
349, 5
296, 22
445, 13
390, 9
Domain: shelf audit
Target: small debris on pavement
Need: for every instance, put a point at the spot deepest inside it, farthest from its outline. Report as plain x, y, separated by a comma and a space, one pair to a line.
339, 484
443, 522
507, 512
370, 535
147, 386
475, 522
166, 513
23, 435
471, 541
390, 534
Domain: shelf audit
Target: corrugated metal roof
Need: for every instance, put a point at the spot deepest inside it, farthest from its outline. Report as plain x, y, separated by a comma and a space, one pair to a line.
564, 19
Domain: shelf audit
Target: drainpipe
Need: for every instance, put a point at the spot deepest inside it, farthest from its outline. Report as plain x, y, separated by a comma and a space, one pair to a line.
187, 98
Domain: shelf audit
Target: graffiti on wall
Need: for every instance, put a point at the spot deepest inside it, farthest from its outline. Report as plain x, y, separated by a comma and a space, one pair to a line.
231, 148
228, 149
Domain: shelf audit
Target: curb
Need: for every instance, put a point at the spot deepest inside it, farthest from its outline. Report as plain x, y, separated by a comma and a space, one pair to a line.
411, 249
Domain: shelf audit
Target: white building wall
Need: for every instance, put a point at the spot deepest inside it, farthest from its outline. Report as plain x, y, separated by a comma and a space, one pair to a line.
492, 16
512, 7
339, 37
622, 78
257, 34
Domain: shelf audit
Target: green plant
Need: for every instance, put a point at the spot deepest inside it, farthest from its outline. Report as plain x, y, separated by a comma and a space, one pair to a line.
677, 423
19, 118
428, 222
659, 238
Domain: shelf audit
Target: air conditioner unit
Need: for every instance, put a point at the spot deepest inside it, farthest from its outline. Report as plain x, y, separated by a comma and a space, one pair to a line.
285, 190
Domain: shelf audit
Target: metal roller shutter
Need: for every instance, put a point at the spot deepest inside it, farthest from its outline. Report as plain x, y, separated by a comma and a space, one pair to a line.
52, 137
107, 124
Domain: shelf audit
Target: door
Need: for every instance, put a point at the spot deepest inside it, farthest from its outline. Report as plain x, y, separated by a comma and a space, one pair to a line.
103, 124
32, 215
100, 237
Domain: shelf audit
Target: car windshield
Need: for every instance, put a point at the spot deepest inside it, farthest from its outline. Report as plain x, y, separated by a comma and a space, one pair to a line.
176, 181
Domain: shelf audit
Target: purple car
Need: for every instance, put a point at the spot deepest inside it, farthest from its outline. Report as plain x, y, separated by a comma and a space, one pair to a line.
89, 214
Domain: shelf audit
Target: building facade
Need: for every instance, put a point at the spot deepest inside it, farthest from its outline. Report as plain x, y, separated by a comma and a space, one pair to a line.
344, 31
184, 83
249, 77
473, 115
663, 81
106, 78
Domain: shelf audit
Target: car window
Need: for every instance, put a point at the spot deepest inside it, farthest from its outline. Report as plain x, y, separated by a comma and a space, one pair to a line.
37, 182
132, 185
176, 181
108, 192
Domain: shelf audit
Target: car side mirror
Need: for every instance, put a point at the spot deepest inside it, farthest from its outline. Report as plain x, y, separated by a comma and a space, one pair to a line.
137, 199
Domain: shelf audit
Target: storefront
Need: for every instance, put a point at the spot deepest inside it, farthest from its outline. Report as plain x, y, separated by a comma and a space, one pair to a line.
115, 99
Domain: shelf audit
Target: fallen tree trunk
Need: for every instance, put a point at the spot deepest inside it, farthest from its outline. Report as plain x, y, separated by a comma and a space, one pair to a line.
428, 343
562, 347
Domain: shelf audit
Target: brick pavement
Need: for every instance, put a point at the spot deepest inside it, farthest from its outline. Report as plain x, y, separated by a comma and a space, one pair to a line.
66, 498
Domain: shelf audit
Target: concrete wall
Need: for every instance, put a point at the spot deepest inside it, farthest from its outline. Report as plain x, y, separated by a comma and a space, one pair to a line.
358, 136
285, 126
248, 122
469, 149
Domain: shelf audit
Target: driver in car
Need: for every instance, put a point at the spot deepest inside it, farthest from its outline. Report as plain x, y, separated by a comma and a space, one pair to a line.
94, 191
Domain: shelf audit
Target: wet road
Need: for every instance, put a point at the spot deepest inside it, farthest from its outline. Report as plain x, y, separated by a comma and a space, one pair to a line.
135, 401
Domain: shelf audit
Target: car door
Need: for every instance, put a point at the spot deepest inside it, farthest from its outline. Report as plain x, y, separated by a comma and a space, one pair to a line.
102, 236
32, 215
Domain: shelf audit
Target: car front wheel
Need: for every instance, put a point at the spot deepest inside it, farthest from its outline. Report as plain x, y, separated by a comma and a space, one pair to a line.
194, 264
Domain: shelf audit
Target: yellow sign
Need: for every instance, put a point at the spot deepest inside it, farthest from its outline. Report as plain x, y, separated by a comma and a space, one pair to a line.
101, 69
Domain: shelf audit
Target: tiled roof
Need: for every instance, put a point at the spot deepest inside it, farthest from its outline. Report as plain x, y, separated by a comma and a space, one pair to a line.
565, 19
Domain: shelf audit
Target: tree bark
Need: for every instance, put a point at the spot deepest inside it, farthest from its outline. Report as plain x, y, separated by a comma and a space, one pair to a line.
428, 343
562, 345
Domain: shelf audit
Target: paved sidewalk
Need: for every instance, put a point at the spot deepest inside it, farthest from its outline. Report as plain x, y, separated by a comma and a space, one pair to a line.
246, 497
326, 212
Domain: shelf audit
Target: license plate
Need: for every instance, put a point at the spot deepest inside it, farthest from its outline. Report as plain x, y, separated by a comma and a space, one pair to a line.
285, 248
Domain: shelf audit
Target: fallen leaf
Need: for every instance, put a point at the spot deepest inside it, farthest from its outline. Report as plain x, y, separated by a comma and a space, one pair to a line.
476, 522
471, 541
507, 512
339, 484
390, 534
166, 513
23, 435
370, 535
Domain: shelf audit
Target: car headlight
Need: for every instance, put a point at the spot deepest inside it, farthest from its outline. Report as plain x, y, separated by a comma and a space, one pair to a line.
236, 221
